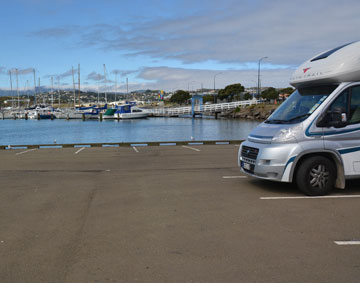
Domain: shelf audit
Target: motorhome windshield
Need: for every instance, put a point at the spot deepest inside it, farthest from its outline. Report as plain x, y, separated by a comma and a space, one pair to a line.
300, 105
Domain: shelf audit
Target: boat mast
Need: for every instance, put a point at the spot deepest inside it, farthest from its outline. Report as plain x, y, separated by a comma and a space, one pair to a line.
26, 90
43, 96
58, 78
11, 90
115, 85
127, 85
79, 81
105, 83
52, 93
72, 68
35, 102
98, 89
17, 87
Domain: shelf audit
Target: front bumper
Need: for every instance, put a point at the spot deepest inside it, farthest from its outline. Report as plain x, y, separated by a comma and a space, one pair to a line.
273, 161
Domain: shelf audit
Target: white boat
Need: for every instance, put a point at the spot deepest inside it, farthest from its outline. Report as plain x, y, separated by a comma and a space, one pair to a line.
125, 111
41, 112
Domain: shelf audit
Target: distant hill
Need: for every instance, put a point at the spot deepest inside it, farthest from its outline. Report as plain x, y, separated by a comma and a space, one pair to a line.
6, 92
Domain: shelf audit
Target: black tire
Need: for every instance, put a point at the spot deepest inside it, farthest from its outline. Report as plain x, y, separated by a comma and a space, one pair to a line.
316, 176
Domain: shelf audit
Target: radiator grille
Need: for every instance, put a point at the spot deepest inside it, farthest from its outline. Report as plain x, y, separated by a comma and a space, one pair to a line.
249, 152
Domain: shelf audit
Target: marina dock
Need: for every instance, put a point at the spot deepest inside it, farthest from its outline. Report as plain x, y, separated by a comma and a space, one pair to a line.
165, 214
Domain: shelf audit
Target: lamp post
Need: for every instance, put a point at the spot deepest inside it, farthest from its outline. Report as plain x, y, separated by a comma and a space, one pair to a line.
214, 85
258, 88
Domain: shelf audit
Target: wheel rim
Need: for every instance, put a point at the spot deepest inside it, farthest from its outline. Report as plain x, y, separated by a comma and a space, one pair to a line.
319, 176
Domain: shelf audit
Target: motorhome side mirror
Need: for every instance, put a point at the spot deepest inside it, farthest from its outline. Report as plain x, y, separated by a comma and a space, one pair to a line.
333, 118
338, 117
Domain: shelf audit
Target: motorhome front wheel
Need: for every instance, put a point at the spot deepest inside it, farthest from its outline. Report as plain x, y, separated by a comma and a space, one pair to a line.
316, 176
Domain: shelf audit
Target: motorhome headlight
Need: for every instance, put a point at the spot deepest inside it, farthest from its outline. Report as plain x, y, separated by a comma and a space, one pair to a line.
287, 135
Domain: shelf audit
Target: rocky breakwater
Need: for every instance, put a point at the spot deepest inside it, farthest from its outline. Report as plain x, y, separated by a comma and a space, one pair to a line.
253, 112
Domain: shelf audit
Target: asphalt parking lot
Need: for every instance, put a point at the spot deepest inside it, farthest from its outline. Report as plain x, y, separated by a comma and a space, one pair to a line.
167, 214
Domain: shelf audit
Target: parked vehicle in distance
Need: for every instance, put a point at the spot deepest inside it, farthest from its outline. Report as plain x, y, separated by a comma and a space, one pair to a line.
313, 138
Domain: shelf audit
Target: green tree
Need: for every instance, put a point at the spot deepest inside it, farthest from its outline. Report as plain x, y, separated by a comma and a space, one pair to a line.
270, 93
247, 96
230, 91
208, 98
288, 90
180, 97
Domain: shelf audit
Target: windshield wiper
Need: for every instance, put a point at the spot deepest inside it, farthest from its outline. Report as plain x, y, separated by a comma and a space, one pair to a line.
274, 121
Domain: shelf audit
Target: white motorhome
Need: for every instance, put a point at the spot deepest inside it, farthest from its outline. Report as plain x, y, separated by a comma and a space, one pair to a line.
313, 138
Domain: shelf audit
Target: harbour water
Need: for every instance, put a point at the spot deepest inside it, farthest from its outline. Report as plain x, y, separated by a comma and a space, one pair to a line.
27, 132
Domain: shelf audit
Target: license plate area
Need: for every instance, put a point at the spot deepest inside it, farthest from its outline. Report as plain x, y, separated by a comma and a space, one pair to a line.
248, 166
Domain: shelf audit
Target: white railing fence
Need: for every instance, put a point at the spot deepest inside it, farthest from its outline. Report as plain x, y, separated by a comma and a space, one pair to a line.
208, 108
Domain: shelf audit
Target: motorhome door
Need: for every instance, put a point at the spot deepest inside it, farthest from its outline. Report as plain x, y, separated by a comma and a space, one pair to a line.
346, 138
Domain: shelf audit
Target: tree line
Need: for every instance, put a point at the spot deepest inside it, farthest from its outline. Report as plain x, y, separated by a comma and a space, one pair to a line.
233, 92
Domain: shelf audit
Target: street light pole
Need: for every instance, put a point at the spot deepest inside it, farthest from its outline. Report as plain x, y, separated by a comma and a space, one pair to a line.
258, 88
214, 85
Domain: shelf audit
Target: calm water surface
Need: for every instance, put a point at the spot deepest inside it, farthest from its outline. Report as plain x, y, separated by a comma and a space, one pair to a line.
22, 132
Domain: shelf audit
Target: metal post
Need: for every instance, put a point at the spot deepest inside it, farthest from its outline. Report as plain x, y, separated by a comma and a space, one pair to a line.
258, 91
214, 86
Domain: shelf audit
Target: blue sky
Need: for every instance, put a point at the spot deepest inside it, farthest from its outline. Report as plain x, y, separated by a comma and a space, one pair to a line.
169, 44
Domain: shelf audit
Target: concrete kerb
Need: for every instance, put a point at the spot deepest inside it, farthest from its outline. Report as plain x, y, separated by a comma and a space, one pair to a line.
122, 144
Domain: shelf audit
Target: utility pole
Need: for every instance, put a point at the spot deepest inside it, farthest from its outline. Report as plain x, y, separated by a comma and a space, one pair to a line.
73, 86
214, 86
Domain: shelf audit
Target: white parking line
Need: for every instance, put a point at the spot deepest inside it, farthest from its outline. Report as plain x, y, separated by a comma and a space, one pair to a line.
188, 147
347, 243
307, 197
80, 150
136, 150
234, 177
25, 151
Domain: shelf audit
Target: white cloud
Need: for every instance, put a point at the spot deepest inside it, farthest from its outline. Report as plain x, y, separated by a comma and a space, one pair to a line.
178, 78
288, 32
230, 32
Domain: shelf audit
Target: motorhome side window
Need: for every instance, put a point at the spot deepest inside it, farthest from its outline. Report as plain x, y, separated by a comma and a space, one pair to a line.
341, 102
355, 105
352, 107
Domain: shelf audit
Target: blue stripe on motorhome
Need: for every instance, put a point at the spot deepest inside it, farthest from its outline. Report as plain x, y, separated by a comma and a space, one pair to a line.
308, 134
289, 161
349, 150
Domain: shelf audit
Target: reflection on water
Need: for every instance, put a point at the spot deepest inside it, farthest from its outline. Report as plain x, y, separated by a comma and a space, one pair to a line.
152, 129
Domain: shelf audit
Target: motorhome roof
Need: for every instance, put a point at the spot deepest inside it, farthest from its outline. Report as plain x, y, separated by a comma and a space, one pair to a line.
340, 64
